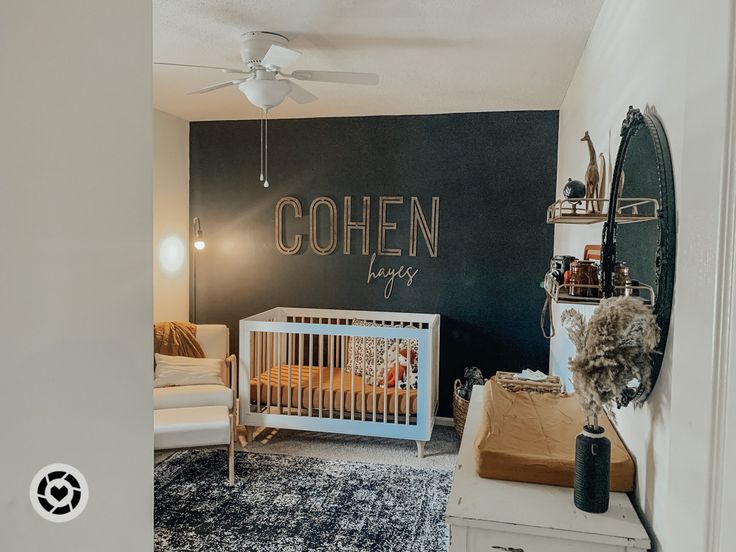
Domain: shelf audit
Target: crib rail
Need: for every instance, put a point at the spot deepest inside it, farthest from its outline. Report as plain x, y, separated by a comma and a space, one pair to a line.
294, 372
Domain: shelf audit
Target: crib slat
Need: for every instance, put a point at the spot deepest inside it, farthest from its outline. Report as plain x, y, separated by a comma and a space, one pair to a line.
342, 377
289, 361
321, 364
311, 363
252, 338
375, 374
331, 364
396, 384
259, 369
271, 356
265, 366
278, 371
299, 374
362, 381
361, 395
385, 381
407, 395
352, 378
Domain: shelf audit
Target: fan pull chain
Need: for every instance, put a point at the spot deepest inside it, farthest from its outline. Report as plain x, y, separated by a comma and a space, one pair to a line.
260, 156
265, 151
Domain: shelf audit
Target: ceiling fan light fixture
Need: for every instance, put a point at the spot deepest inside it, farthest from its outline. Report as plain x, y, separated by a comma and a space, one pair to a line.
265, 93
265, 55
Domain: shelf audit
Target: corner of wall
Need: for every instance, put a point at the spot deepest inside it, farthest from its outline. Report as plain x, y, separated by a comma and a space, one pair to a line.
171, 217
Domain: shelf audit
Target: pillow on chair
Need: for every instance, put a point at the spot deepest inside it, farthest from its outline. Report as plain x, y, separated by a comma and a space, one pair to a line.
178, 370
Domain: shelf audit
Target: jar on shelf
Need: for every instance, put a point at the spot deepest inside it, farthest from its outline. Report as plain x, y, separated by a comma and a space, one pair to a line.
582, 274
622, 280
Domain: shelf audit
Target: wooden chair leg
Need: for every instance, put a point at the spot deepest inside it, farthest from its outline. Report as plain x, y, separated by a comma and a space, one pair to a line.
231, 453
248, 434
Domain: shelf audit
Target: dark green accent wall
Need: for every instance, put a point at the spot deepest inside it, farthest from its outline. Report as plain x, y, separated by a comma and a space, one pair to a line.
494, 172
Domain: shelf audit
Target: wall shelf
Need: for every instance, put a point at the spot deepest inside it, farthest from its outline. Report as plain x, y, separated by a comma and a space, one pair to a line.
629, 210
560, 293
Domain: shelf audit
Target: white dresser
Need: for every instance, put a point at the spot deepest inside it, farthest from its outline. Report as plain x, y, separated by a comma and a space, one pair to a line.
487, 515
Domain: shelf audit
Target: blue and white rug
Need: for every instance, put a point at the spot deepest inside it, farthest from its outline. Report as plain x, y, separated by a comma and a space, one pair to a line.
296, 504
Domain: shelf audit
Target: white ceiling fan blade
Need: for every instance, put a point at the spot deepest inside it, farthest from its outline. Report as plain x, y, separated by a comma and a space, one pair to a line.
216, 86
336, 76
299, 94
280, 56
223, 69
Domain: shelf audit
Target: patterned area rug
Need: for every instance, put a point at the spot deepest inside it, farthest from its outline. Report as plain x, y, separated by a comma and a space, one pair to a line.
292, 504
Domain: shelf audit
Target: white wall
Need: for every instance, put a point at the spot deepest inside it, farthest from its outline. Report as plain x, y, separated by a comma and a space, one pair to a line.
170, 217
673, 56
75, 268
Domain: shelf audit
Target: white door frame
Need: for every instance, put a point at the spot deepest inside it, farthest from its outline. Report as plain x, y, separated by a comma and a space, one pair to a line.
722, 500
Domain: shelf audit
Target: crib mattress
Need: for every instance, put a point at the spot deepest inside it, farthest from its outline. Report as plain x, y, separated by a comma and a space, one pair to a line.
531, 437
355, 396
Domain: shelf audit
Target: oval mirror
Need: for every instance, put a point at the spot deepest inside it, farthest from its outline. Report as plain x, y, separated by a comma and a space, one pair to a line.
638, 250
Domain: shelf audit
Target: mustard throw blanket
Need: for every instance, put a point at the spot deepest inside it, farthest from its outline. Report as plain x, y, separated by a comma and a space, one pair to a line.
177, 339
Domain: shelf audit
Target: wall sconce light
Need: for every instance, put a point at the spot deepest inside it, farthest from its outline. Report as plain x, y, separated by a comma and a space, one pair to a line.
198, 235
198, 246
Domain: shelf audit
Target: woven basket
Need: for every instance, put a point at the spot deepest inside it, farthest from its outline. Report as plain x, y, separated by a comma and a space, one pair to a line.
459, 409
551, 384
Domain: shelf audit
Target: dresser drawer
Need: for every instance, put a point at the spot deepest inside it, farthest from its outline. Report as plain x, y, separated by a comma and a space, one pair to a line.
475, 539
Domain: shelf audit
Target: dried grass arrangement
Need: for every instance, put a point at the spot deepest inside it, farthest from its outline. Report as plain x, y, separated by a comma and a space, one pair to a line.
613, 348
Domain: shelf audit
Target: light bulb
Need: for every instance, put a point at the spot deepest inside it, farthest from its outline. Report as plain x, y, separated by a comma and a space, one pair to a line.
198, 235
265, 184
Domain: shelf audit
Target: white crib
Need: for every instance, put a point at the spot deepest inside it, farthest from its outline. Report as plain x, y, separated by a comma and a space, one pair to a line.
292, 372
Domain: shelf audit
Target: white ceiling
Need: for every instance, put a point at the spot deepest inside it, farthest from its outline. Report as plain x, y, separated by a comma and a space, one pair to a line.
433, 56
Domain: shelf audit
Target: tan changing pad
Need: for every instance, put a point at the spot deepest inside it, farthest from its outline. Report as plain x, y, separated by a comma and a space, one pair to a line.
531, 437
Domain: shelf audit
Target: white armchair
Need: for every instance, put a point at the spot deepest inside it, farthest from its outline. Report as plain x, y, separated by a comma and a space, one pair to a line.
215, 342
201, 415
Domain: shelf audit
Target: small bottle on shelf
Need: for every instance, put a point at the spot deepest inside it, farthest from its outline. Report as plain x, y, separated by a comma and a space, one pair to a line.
622, 279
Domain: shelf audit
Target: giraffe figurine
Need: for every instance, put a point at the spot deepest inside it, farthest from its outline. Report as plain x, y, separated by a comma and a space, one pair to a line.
592, 177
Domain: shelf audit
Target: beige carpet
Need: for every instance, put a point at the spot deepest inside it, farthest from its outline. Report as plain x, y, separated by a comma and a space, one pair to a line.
440, 452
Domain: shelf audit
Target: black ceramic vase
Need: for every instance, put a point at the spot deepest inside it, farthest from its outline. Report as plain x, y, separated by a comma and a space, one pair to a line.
592, 470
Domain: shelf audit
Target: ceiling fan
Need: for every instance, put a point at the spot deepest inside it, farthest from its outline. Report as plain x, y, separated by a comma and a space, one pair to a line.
265, 56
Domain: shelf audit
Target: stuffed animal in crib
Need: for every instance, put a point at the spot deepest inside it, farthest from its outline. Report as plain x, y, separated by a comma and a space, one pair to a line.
398, 370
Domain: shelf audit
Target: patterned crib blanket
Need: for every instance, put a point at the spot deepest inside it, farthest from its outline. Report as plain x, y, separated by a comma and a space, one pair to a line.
381, 363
